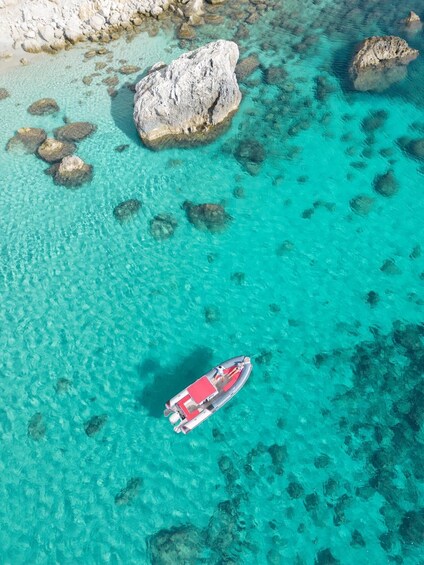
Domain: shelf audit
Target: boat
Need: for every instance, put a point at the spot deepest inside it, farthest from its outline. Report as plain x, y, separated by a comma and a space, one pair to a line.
194, 404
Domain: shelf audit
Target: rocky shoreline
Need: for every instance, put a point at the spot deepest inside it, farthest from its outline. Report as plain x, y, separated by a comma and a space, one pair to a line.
45, 26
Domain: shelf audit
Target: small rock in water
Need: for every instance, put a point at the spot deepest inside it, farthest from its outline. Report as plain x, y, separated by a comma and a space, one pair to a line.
62, 385
163, 226
386, 184
412, 23
415, 148
325, 557
311, 501
27, 139
36, 427
264, 358
53, 150
75, 131
43, 107
284, 248
127, 209
95, 424
412, 527
295, 489
274, 308
362, 204
372, 298
357, 540
374, 120
4, 94
250, 154
121, 148
71, 172
390, 268
212, 314
129, 492
212, 217
322, 461
246, 67
238, 278
416, 252
129, 69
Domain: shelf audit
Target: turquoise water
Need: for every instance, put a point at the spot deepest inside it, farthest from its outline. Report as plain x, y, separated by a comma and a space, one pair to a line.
319, 459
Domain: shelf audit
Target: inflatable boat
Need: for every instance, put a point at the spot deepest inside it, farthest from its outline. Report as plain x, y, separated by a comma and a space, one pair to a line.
194, 404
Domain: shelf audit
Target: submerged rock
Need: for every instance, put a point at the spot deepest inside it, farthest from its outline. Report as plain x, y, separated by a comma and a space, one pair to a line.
163, 226
129, 492
95, 424
189, 99
325, 557
390, 268
53, 150
250, 154
386, 184
4, 94
380, 61
37, 427
415, 148
127, 209
182, 544
74, 131
412, 527
212, 217
71, 172
362, 204
43, 107
62, 385
212, 314
374, 120
246, 67
27, 140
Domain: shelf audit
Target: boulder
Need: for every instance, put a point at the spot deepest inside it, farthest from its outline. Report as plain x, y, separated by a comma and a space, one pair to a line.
191, 99
129, 69
74, 131
412, 23
212, 217
126, 209
386, 184
27, 139
163, 226
186, 31
4, 93
379, 62
53, 150
71, 172
43, 107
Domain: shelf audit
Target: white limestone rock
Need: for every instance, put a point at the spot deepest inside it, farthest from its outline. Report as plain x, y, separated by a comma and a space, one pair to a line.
191, 99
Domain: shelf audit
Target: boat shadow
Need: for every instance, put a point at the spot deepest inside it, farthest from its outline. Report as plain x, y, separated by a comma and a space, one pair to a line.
165, 382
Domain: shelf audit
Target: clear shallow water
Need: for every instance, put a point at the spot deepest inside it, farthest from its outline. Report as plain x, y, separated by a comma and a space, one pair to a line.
122, 317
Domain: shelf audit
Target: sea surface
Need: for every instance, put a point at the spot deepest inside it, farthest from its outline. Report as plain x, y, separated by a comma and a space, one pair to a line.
320, 458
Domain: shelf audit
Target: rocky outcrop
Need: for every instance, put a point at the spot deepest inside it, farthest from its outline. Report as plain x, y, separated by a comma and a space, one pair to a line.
412, 23
191, 99
27, 140
380, 61
71, 172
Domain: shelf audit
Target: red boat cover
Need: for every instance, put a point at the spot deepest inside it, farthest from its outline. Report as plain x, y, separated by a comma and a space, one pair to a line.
201, 389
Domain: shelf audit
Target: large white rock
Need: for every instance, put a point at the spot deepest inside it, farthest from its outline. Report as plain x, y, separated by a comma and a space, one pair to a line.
189, 98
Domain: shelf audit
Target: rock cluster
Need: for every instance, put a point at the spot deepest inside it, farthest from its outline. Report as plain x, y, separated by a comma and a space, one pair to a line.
190, 99
71, 172
380, 61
